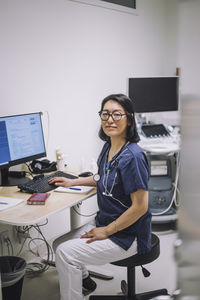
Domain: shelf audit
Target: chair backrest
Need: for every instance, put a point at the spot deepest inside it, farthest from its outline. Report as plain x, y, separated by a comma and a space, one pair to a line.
142, 259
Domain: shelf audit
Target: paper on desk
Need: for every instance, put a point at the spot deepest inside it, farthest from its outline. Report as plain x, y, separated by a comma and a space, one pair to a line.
74, 189
7, 202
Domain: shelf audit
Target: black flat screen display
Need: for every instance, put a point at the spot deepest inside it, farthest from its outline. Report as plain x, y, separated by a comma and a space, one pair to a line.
154, 94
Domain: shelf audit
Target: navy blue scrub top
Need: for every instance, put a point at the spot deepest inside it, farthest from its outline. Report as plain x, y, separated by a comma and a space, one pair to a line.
127, 172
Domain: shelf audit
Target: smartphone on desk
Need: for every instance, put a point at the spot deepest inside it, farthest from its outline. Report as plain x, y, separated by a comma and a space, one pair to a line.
38, 198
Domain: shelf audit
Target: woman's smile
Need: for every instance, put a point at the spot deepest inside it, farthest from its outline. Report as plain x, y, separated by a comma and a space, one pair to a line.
111, 127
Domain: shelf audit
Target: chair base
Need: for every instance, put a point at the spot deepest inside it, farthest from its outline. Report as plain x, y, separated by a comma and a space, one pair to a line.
100, 276
142, 296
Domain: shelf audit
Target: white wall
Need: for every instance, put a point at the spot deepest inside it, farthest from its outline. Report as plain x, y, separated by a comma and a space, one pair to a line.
64, 57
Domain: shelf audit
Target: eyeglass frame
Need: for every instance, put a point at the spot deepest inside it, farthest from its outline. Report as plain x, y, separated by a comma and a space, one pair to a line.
111, 115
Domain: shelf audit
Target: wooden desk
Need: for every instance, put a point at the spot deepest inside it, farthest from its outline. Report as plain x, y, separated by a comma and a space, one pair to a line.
23, 214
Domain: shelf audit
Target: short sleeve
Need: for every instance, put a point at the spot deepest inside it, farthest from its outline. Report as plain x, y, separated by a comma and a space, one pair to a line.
103, 151
135, 173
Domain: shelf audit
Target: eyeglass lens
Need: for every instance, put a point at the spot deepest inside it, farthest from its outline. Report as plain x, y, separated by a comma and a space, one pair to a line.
116, 116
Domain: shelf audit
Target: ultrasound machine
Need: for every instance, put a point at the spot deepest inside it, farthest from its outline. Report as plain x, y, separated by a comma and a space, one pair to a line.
160, 142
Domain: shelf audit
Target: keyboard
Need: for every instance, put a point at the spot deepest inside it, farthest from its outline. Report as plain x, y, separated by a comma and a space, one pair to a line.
154, 130
39, 184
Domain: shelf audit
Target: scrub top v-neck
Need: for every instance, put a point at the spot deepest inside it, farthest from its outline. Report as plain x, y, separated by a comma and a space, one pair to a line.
127, 172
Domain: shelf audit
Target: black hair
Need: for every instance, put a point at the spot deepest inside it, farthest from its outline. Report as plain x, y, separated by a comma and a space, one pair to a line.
127, 104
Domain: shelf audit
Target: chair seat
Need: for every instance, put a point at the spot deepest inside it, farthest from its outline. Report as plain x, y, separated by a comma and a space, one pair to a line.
130, 263
142, 259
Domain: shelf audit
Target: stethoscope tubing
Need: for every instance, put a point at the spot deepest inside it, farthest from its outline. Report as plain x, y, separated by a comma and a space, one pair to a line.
106, 171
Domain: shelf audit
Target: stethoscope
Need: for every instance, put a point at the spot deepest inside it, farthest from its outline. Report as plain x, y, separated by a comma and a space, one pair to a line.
107, 167
106, 171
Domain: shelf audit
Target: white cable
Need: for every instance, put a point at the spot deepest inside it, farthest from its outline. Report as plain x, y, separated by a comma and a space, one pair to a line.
177, 203
176, 179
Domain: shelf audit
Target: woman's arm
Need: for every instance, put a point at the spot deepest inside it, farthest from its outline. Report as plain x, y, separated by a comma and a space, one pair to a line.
62, 181
131, 215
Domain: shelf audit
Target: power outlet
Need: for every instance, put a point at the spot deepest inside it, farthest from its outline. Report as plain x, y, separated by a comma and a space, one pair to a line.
4, 236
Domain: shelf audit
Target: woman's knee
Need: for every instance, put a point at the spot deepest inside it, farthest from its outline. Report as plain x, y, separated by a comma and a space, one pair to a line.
66, 250
60, 240
62, 255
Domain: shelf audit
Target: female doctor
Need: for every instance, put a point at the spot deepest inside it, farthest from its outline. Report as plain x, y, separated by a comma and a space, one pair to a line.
122, 226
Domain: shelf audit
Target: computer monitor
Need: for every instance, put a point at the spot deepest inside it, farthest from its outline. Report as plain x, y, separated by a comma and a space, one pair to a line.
21, 140
154, 94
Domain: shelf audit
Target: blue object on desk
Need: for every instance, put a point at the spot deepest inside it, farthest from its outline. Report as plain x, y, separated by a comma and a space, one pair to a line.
75, 189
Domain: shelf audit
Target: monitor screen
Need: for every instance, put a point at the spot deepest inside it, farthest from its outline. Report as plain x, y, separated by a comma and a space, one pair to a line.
154, 94
21, 140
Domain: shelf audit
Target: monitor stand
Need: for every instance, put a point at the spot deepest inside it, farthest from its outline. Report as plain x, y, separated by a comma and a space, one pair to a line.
7, 180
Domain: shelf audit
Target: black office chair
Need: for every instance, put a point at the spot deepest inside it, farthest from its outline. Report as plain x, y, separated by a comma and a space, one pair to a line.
131, 262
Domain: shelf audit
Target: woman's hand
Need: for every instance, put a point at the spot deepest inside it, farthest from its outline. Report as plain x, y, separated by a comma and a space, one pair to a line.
97, 233
66, 182
61, 181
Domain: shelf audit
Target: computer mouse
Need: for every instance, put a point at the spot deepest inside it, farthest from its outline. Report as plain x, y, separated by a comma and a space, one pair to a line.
85, 174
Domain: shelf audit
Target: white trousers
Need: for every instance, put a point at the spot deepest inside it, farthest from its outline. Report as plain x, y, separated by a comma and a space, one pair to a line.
73, 254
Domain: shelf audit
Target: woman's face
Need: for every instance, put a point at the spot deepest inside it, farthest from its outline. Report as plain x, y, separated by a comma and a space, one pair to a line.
111, 127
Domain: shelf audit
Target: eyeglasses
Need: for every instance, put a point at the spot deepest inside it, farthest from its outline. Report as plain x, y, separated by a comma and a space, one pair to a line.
116, 116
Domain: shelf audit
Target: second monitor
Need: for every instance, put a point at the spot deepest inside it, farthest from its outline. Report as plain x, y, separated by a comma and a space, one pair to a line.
154, 94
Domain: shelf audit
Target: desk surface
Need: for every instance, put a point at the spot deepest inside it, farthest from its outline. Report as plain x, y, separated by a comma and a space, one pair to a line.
23, 214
